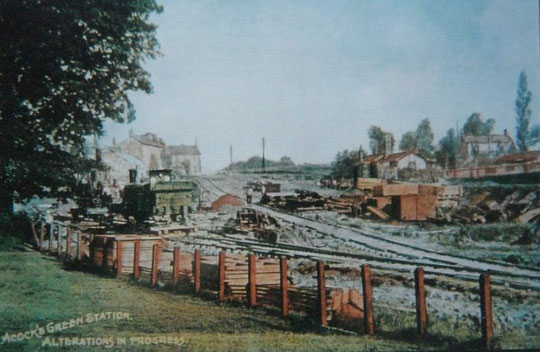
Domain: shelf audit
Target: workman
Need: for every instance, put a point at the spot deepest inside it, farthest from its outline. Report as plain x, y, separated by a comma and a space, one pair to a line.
249, 195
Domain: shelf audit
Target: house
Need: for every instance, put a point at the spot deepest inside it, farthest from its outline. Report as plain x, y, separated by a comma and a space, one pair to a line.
146, 147
143, 153
388, 165
490, 145
183, 158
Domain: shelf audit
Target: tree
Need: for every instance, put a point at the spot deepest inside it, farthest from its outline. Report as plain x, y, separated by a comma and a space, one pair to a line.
534, 136
424, 137
65, 67
408, 141
477, 127
378, 140
448, 149
285, 161
343, 166
523, 113
421, 139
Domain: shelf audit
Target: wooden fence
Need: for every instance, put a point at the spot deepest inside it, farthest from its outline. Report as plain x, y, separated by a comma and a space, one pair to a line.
234, 277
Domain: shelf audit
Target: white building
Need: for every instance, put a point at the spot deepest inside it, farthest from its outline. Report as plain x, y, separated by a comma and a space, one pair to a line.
490, 145
183, 158
146, 147
388, 166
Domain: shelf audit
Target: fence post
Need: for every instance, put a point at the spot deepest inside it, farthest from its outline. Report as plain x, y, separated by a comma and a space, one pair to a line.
41, 235
137, 259
368, 299
50, 238
486, 310
69, 235
176, 266
321, 285
156, 256
119, 257
79, 245
105, 256
284, 283
252, 280
221, 276
421, 310
197, 271
92, 249
58, 244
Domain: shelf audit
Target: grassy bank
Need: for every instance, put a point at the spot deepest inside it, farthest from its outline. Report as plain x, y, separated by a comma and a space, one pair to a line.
36, 289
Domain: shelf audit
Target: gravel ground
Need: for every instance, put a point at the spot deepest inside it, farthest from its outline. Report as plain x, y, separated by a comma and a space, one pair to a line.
463, 308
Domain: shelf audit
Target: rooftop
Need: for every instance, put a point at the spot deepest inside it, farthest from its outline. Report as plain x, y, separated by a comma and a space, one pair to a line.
491, 138
525, 157
182, 150
380, 158
149, 139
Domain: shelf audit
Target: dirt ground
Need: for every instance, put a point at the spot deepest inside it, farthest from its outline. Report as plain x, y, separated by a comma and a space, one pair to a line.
516, 311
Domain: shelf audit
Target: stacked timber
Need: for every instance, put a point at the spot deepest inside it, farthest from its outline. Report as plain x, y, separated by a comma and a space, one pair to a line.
268, 281
345, 308
236, 276
410, 202
369, 184
341, 205
312, 201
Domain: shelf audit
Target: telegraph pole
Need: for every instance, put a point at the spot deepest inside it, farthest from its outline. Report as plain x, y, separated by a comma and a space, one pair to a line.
230, 153
263, 161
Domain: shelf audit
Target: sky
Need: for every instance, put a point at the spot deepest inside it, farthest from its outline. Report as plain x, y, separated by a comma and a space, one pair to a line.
312, 76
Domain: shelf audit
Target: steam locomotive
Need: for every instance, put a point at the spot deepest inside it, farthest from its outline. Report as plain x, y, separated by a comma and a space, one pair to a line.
162, 196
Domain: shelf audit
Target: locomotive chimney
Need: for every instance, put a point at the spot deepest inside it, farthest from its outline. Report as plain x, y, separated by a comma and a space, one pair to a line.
132, 176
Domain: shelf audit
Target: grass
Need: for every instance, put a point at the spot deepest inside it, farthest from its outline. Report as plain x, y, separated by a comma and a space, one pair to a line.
36, 289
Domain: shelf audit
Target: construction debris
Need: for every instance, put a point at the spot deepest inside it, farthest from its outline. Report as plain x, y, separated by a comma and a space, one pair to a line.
250, 221
380, 214
227, 200
265, 187
346, 308
311, 201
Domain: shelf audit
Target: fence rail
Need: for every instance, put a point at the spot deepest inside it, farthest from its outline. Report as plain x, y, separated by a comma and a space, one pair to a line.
257, 280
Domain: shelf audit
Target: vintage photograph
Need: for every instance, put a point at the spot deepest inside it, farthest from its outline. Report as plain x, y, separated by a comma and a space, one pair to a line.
269, 175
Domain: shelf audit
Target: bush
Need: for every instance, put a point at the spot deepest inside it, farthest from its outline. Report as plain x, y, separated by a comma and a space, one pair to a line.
14, 230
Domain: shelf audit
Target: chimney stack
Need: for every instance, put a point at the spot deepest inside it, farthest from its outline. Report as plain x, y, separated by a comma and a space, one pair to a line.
132, 176
387, 144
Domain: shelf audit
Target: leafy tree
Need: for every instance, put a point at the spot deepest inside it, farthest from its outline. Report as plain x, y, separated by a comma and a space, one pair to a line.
254, 163
286, 161
408, 141
448, 149
421, 139
378, 140
534, 136
343, 166
523, 114
65, 67
477, 127
424, 137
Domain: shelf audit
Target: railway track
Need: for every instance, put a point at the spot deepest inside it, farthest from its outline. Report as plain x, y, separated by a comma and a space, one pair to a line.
379, 251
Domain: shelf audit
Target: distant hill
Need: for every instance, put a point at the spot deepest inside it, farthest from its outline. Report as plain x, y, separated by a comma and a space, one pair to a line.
285, 165
254, 164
